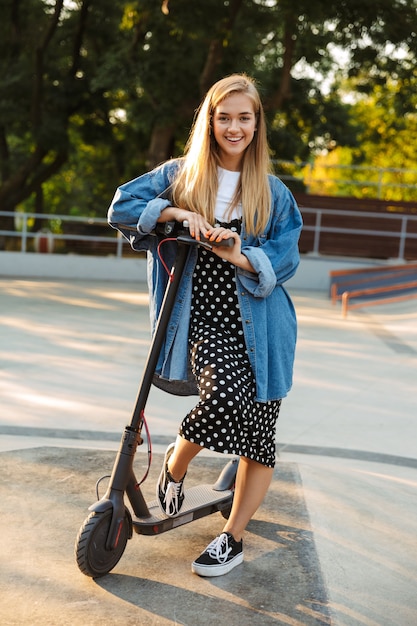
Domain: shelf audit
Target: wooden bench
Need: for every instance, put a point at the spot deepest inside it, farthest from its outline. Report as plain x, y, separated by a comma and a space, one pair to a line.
374, 285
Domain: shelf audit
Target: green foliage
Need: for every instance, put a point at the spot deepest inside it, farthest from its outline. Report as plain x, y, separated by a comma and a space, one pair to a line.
383, 161
93, 92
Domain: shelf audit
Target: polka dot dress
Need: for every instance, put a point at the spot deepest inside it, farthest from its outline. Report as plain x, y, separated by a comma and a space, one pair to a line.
227, 417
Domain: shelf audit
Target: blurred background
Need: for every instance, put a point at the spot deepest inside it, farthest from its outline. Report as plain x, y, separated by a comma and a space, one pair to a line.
95, 92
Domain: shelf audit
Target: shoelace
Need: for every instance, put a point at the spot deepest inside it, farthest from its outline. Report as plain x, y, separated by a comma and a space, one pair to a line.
219, 548
171, 497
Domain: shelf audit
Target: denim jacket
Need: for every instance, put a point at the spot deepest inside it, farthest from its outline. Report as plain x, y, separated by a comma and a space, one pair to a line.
268, 316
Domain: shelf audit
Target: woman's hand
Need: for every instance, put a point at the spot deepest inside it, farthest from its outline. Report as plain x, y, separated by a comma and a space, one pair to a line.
232, 254
197, 225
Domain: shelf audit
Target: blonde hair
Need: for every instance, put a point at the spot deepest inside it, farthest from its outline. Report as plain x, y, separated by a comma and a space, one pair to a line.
195, 187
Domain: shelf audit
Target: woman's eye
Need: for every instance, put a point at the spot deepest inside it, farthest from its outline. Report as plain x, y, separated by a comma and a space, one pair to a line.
225, 119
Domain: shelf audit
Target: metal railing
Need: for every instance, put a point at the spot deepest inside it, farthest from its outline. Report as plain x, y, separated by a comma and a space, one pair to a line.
403, 235
83, 237
112, 240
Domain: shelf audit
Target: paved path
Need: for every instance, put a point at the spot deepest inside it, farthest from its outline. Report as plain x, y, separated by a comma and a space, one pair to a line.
334, 541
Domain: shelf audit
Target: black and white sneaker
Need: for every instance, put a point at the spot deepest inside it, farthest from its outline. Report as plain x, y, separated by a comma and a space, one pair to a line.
169, 493
220, 556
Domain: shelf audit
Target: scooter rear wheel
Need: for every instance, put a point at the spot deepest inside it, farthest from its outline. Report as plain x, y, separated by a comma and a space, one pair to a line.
93, 558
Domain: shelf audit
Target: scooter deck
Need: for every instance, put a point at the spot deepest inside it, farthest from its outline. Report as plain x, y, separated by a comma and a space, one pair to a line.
198, 502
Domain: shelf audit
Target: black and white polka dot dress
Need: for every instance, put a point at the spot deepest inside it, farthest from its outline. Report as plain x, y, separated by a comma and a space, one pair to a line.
227, 417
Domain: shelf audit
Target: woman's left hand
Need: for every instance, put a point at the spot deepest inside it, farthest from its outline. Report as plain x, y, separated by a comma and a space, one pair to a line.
233, 254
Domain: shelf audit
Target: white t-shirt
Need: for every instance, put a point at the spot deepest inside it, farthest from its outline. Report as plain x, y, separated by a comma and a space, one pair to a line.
228, 182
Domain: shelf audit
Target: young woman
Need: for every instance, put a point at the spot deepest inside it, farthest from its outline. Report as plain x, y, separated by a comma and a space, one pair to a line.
232, 332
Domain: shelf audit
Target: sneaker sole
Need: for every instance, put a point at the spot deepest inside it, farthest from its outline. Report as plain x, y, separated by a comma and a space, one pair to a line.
217, 570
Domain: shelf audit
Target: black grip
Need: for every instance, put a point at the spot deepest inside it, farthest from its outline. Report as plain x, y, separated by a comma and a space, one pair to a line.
224, 243
206, 243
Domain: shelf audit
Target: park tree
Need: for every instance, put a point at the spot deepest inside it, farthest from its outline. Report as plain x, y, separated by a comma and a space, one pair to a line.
51, 54
382, 91
383, 162
93, 92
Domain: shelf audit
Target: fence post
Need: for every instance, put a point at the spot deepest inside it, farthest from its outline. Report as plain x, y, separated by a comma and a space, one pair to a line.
119, 248
24, 232
345, 303
403, 236
316, 245
380, 175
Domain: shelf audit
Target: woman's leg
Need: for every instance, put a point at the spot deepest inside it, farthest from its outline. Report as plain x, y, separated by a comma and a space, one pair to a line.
223, 554
252, 483
170, 487
183, 453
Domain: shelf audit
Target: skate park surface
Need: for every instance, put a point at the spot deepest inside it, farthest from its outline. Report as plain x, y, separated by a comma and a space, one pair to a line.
335, 539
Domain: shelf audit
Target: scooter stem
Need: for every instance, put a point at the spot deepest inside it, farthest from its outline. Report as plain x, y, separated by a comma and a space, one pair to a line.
159, 334
122, 478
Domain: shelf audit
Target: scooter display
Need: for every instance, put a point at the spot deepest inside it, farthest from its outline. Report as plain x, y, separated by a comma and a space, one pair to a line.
103, 536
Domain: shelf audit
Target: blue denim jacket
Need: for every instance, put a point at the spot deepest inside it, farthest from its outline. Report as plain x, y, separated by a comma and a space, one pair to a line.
268, 315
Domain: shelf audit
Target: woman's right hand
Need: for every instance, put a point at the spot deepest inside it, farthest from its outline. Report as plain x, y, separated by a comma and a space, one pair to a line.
197, 224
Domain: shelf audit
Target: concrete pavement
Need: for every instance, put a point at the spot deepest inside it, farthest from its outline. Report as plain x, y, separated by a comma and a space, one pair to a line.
334, 541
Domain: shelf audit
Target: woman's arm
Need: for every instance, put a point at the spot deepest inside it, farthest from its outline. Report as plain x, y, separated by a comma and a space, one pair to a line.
274, 255
139, 203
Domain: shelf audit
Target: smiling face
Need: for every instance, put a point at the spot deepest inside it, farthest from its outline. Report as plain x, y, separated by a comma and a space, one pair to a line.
234, 125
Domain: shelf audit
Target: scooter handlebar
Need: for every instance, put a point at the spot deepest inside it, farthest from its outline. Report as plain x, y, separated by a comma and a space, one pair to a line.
171, 229
206, 243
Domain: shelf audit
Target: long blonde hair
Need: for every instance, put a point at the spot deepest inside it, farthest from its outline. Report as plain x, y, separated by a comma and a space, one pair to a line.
195, 187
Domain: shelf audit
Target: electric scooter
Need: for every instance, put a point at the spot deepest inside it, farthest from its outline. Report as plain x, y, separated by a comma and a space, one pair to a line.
103, 536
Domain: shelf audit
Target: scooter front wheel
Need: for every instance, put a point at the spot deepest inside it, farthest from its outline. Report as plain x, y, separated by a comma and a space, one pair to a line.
93, 558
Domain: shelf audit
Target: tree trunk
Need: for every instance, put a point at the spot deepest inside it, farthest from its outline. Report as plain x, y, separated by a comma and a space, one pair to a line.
39, 206
161, 145
26, 181
213, 60
283, 92
215, 51
18, 184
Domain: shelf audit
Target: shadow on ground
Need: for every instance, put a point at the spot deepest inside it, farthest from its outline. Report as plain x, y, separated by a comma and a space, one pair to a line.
45, 493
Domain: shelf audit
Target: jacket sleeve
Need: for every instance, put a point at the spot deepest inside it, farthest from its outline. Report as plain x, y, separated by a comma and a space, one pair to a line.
137, 205
274, 255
